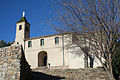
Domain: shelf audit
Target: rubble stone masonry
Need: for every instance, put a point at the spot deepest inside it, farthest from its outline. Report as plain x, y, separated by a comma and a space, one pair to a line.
12, 62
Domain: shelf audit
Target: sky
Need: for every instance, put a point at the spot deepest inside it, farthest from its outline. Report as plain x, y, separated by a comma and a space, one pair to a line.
37, 12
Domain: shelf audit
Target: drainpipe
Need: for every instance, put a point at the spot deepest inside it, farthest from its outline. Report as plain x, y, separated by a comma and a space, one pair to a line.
63, 49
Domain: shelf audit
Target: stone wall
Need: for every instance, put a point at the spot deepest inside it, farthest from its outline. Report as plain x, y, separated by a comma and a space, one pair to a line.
13, 63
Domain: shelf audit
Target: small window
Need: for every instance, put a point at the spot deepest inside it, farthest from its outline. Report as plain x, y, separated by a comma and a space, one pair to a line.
20, 27
29, 43
42, 42
56, 40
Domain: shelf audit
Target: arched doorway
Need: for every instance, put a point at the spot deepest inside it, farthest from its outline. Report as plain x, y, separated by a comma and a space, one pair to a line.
42, 58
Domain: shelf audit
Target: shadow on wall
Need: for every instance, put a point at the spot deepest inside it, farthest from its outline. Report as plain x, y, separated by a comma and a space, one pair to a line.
27, 74
42, 76
24, 67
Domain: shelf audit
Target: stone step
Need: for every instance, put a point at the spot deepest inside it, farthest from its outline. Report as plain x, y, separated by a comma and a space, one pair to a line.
40, 68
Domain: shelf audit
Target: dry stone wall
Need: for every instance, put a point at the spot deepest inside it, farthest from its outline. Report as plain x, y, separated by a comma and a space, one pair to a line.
13, 63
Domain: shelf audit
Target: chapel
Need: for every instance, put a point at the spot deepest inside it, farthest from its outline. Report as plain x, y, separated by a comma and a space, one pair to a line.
50, 51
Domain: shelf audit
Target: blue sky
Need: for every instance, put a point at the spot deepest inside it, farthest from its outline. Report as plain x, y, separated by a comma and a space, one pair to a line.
37, 12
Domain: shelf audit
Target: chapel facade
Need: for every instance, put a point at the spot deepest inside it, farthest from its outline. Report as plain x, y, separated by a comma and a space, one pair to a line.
51, 51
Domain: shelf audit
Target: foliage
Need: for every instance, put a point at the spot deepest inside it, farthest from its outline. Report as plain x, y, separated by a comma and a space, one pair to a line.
4, 43
116, 61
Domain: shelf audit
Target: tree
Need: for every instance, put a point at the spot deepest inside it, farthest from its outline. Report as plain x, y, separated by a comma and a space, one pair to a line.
98, 21
116, 61
3, 43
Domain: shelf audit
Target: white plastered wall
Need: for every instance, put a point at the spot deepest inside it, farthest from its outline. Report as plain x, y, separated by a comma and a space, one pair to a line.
20, 33
54, 52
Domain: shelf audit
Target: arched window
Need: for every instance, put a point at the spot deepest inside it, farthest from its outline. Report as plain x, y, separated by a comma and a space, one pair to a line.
20, 27
42, 42
56, 40
29, 43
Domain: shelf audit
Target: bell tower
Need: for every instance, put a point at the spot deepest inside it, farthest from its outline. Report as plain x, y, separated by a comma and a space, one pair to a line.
22, 31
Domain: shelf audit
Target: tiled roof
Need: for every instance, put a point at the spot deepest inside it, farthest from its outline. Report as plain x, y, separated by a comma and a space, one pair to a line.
23, 19
46, 36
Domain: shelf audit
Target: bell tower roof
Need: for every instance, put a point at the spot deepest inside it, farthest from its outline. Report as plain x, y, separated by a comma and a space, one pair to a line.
23, 19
